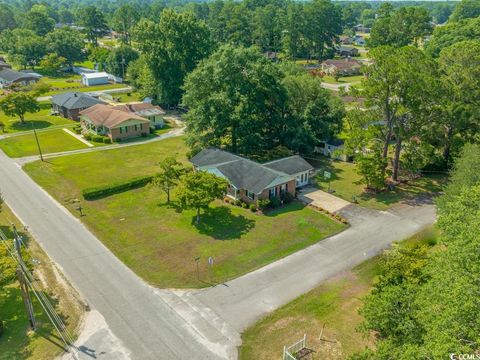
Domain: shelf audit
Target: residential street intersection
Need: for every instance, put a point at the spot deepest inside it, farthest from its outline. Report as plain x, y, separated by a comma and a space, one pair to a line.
140, 322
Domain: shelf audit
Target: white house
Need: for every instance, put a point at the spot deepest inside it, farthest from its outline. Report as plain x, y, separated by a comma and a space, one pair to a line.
98, 78
332, 148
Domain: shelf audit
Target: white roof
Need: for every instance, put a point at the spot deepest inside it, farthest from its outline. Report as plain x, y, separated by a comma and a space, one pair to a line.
95, 75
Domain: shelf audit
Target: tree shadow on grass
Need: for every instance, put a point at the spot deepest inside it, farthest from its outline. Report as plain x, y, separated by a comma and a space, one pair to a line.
37, 124
221, 224
171, 205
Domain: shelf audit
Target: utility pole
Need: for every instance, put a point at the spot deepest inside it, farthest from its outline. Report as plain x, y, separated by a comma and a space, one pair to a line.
27, 300
38, 143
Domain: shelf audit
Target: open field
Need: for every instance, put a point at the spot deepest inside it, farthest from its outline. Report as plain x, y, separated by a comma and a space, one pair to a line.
51, 141
127, 97
39, 120
159, 241
345, 184
18, 342
333, 307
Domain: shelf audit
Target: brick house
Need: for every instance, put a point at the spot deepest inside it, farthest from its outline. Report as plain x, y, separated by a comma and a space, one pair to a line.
69, 105
249, 180
105, 120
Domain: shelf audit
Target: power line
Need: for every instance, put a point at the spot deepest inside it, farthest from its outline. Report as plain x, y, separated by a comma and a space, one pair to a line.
29, 282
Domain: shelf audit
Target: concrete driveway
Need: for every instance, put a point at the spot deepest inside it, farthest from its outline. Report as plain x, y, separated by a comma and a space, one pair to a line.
319, 198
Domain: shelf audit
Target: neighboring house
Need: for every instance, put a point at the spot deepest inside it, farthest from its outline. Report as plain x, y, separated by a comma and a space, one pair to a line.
360, 41
146, 110
95, 78
9, 77
346, 40
103, 119
347, 51
249, 180
362, 29
342, 67
70, 104
332, 148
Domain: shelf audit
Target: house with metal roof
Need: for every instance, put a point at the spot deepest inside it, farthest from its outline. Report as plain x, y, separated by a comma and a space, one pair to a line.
70, 104
146, 110
249, 180
9, 77
95, 78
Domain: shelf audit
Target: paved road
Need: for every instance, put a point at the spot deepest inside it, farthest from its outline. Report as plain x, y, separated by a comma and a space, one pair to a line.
146, 326
244, 300
336, 87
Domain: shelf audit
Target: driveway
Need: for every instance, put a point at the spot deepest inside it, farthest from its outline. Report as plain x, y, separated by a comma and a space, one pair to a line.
242, 301
322, 199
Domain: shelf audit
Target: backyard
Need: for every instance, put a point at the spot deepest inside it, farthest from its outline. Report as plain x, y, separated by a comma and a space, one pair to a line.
18, 342
329, 312
345, 183
158, 240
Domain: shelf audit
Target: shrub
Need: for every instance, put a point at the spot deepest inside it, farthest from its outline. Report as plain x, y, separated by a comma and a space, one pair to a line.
144, 134
253, 208
244, 205
107, 140
87, 136
77, 130
275, 202
115, 188
263, 204
238, 202
287, 198
119, 140
97, 138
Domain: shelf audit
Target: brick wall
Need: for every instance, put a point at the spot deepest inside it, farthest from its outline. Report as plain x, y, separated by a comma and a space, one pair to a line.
131, 133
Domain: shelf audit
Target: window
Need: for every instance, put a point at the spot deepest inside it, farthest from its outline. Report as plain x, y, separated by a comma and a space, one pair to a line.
136, 127
121, 129
141, 126
251, 195
126, 129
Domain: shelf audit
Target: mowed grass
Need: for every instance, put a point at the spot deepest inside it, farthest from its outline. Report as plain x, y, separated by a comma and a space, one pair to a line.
343, 79
158, 240
345, 184
39, 120
17, 341
329, 312
51, 141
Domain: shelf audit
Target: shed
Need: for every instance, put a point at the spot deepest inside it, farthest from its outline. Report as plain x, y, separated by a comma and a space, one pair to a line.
98, 78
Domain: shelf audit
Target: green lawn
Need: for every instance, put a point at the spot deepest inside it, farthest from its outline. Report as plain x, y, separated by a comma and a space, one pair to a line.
86, 64
17, 342
345, 184
40, 120
87, 88
158, 241
333, 307
51, 141
343, 80
127, 97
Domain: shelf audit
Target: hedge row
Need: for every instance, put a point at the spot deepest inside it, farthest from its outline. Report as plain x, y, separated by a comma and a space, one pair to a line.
115, 188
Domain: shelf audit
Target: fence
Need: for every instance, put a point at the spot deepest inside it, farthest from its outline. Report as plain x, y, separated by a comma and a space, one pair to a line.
290, 351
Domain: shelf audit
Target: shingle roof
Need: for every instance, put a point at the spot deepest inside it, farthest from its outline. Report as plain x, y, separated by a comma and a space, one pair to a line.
247, 174
213, 156
290, 165
342, 64
108, 116
10, 75
75, 100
